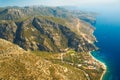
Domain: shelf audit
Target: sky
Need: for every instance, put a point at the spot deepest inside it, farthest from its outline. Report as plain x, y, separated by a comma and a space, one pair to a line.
56, 2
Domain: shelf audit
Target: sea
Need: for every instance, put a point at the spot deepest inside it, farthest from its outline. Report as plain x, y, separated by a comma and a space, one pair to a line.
108, 35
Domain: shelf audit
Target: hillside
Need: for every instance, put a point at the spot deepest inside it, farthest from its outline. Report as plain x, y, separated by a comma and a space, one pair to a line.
17, 64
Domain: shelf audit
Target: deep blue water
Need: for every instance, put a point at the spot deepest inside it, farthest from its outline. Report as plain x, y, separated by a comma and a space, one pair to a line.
108, 35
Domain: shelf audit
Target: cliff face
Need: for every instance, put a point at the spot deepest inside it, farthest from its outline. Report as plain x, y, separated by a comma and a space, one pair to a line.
46, 33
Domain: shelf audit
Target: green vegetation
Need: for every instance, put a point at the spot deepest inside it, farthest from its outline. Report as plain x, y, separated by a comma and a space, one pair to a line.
71, 62
55, 58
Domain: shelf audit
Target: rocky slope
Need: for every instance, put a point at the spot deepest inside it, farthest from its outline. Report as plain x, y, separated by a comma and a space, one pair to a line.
17, 64
46, 29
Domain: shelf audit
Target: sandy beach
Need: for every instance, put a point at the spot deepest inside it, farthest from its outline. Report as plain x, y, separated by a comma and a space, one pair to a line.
103, 65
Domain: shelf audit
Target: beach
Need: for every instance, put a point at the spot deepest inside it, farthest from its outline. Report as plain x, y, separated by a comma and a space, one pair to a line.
101, 63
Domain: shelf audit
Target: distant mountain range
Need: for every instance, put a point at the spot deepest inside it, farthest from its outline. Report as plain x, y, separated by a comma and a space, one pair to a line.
13, 13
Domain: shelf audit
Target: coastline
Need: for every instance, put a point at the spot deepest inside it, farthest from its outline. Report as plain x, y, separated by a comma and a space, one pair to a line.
102, 64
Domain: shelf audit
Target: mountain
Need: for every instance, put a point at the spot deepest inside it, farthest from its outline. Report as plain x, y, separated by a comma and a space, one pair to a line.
47, 28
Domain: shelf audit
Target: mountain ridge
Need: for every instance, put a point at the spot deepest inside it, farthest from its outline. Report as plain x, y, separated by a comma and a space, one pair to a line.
46, 31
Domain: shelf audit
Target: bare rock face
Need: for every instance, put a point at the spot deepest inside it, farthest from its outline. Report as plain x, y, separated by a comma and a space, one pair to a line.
11, 14
17, 64
8, 30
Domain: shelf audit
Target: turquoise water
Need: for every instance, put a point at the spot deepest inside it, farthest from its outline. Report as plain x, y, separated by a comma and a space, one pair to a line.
108, 35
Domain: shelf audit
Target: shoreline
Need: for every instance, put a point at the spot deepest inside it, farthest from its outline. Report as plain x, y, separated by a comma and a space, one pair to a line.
103, 65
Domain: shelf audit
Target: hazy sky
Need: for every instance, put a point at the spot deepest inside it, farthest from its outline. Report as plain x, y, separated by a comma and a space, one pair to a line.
56, 2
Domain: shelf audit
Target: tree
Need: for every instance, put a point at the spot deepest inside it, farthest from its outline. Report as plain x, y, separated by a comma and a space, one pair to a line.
72, 55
